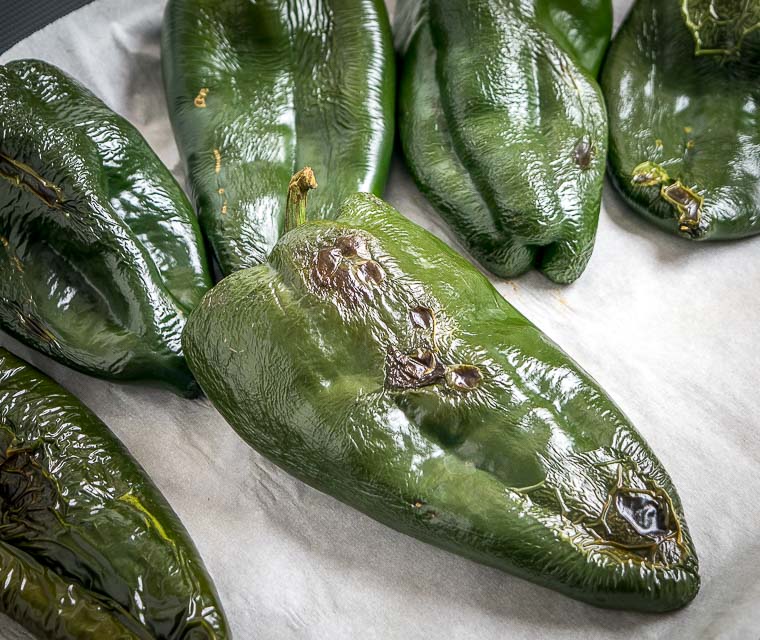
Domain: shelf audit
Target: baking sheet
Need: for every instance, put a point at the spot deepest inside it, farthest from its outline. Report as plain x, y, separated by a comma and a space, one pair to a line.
671, 329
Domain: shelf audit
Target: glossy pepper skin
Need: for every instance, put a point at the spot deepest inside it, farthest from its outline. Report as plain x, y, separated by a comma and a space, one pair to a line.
101, 256
89, 548
255, 89
682, 91
504, 128
374, 363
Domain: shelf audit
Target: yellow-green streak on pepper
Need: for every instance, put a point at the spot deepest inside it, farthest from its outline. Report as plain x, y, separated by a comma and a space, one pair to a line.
89, 548
504, 128
374, 363
101, 257
258, 89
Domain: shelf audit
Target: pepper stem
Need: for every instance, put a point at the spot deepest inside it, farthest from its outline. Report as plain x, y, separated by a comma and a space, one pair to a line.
298, 191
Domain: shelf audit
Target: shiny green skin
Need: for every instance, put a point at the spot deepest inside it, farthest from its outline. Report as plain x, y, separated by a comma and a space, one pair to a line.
289, 83
310, 359
504, 130
89, 548
698, 117
101, 257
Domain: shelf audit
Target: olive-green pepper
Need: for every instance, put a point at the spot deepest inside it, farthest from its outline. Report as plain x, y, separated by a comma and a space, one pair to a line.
682, 83
89, 548
504, 128
101, 256
374, 363
255, 88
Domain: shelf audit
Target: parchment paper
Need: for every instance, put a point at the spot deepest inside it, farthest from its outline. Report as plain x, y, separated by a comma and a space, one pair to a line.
669, 328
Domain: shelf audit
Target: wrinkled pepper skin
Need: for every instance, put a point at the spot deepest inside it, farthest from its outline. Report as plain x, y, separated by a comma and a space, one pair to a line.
377, 365
684, 118
256, 89
89, 548
101, 257
504, 129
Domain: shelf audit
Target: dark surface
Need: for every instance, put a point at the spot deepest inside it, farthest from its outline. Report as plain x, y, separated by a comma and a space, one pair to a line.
21, 19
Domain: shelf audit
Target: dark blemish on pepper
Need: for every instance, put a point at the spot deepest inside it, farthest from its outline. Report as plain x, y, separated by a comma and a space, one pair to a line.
412, 371
370, 271
327, 263
583, 154
464, 377
422, 318
352, 246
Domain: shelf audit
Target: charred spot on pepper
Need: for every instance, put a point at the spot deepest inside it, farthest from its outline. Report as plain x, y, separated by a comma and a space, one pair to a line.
605, 493
24, 177
327, 263
644, 513
353, 246
30, 503
583, 153
463, 377
688, 204
370, 271
649, 174
422, 318
412, 371
344, 268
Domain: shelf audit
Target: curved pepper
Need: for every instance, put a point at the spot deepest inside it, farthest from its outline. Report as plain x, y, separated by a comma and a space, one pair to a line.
89, 548
682, 85
100, 253
375, 364
254, 88
503, 130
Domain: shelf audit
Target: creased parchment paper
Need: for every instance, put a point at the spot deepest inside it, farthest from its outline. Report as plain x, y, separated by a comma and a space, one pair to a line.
671, 329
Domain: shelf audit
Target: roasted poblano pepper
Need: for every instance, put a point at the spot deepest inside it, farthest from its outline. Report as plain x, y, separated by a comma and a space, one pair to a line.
257, 88
504, 128
101, 257
374, 363
682, 83
89, 548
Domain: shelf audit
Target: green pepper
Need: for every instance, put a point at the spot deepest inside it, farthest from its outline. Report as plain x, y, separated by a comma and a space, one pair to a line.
89, 548
101, 257
682, 86
504, 128
375, 364
255, 88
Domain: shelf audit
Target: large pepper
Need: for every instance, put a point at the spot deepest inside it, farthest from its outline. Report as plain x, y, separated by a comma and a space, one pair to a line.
89, 548
101, 256
504, 128
682, 83
374, 363
255, 88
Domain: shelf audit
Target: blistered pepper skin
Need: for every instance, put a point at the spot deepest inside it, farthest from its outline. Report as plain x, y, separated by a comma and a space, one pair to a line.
375, 364
504, 128
101, 257
684, 118
256, 89
89, 548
